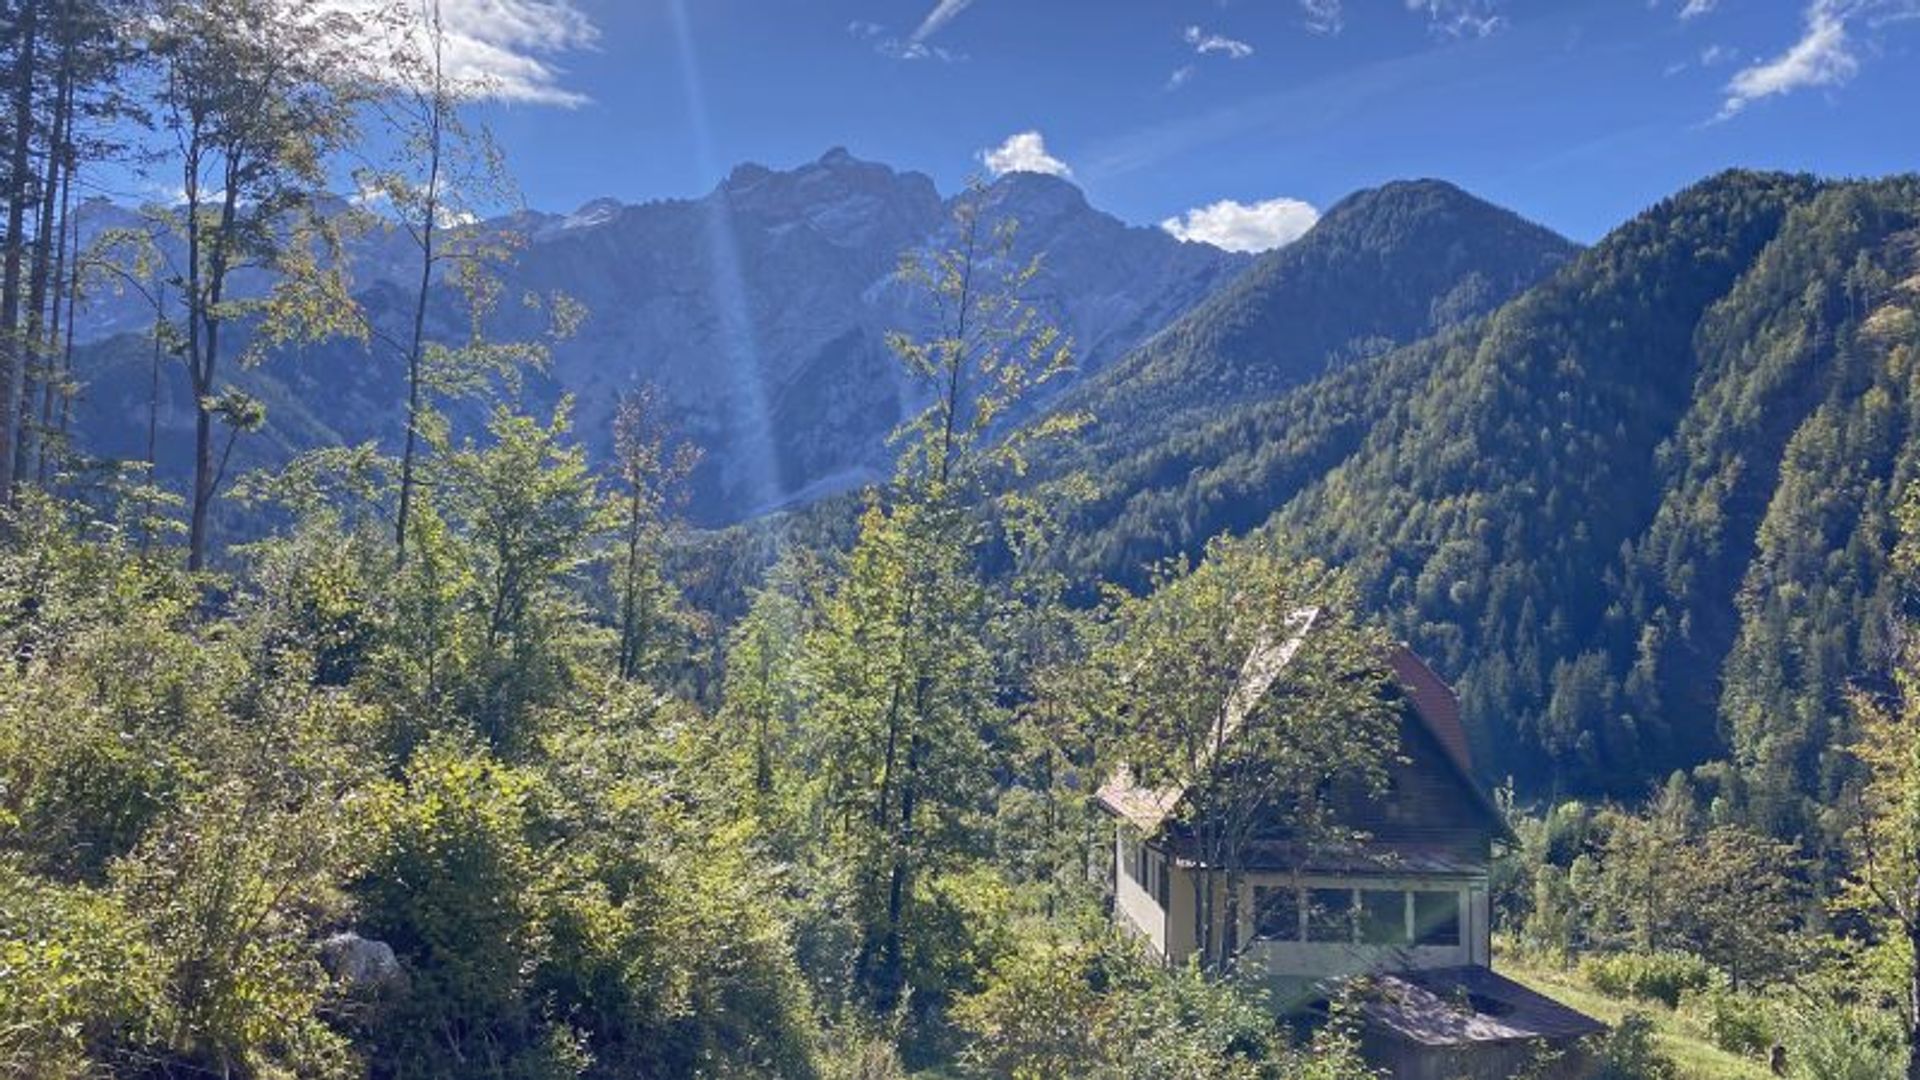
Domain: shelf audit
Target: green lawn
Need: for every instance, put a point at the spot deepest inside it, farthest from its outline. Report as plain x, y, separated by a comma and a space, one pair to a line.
1679, 1035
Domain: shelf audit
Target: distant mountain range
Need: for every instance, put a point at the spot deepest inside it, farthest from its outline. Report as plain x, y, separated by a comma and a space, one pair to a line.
759, 310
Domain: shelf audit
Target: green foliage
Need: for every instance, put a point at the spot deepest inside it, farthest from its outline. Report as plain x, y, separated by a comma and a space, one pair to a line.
451, 883
81, 979
1319, 734
529, 509
1094, 1008
1661, 977
1834, 1040
1628, 1053
1737, 1023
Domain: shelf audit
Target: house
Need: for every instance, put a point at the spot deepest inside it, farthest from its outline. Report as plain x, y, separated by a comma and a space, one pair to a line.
1408, 907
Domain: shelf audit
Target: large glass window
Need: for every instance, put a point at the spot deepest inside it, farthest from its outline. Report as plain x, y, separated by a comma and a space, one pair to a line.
1436, 918
1276, 913
1330, 915
1383, 917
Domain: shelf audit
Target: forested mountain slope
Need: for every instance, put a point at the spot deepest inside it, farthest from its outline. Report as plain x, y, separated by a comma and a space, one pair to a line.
1641, 513
1384, 267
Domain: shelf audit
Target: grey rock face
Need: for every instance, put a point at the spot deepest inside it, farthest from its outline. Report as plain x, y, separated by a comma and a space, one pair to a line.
360, 963
760, 310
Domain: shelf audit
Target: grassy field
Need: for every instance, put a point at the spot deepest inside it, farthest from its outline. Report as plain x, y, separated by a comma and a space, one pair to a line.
1680, 1036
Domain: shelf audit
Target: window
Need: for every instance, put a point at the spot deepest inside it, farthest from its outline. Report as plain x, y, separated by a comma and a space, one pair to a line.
1130, 857
1383, 917
1330, 915
1164, 891
1436, 918
1276, 913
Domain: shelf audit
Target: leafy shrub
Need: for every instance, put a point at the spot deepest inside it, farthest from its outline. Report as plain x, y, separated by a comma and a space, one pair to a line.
1842, 1042
1737, 1023
1659, 977
1628, 1053
79, 981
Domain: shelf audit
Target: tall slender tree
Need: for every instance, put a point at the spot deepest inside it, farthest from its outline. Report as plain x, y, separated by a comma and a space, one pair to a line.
904, 684
257, 95
19, 197
441, 174
652, 466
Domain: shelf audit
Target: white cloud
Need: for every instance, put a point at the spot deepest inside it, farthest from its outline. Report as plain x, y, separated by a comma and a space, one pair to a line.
1024, 152
1460, 18
1204, 43
943, 13
1180, 77
1715, 55
1696, 8
501, 50
1237, 226
893, 48
1323, 16
1822, 57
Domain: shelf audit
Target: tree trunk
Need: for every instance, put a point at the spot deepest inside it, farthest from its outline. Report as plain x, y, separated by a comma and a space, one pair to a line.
900, 882
13, 375
42, 304
208, 319
428, 224
1913, 994
629, 598
66, 277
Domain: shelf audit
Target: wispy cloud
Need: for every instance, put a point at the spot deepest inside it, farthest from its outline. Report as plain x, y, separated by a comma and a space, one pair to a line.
1822, 57
1833, 35
894, 48
1205, 43
1180, 77
943, 13
1236, 226
1024, 152
1693, 9
1323, 16
502, 50
1460, 18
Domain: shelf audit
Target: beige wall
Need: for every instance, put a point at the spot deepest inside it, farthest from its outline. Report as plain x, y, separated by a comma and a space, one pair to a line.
1136, 908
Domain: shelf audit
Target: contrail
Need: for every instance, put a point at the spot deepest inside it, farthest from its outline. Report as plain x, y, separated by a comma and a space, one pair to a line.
943, 13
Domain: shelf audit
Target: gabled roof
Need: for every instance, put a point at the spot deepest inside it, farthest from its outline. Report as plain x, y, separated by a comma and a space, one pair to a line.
1147, 808
1434, 705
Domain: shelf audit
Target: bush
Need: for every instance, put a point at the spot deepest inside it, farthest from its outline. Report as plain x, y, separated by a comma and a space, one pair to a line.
1627, 1053
1659, 977
79, 982
1737, 1023
1842, 1042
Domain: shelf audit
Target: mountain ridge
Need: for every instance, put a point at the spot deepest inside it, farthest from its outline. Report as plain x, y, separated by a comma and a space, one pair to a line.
759, 310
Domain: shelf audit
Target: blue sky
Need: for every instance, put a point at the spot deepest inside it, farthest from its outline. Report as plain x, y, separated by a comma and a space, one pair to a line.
1575, 112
